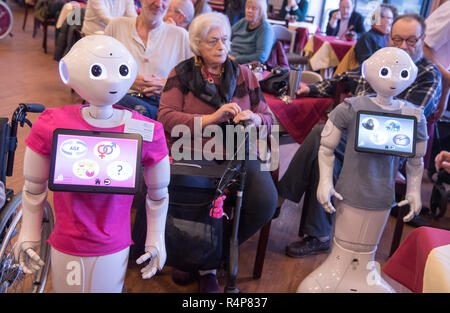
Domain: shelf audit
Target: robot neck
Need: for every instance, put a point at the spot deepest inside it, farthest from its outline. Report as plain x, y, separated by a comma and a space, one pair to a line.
100, 112
386, 102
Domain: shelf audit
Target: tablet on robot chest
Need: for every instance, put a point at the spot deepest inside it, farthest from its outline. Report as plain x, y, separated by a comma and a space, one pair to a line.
386, 133
93, 161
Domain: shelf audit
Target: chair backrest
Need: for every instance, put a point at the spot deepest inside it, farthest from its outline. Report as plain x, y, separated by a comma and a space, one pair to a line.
283, 34
310, 77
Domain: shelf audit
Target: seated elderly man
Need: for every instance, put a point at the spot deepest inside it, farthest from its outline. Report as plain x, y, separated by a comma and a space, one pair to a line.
100, 12
252, 38
377, 37
345, 21
180, 13
302, 176
156, 46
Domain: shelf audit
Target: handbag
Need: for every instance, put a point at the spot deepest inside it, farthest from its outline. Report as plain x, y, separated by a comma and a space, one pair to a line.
193, 236
277, 82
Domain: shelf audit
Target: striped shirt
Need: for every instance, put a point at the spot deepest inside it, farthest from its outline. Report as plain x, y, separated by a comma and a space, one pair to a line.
425, 92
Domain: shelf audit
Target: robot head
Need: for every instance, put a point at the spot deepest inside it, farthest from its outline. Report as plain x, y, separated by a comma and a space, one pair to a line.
99, 68
389, 71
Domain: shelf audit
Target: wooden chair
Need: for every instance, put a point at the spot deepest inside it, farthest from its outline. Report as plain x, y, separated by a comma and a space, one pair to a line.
28, 6
310, 77
285, 35
45, 24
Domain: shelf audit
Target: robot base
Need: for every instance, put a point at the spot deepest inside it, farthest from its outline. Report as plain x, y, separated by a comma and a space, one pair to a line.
346, 271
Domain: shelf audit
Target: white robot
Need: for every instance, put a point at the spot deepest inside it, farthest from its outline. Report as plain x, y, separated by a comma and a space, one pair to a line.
101, 70
365, 188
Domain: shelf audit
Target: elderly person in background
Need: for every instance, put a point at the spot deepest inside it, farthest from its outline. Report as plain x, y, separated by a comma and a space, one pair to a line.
378, 36
180, 13
201, 7
294, 9
345, 21
100, 12
216, 90
252, 37
156, 46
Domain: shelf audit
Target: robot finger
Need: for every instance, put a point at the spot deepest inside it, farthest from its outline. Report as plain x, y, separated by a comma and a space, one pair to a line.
409, 216
35, 257
144, 257
338, 196
148, 271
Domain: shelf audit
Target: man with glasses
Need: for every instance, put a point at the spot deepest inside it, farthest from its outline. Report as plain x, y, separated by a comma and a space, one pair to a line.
377, 37
180, 13
302, 176
156, 46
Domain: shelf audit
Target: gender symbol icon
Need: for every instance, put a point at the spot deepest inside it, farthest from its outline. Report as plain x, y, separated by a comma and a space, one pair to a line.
107, 150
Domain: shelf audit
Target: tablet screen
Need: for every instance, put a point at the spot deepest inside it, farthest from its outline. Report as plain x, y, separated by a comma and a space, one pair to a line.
386, 133
91, 161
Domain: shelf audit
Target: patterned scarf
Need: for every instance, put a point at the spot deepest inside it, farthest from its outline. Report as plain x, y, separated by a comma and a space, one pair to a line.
190, 75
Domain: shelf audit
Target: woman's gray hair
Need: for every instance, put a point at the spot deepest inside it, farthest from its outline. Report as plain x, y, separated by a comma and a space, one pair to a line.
262, 4
202, 24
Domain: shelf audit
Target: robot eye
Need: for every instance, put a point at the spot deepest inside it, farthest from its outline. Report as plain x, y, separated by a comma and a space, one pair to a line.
98, 71
385, 72
124, 71
404, 74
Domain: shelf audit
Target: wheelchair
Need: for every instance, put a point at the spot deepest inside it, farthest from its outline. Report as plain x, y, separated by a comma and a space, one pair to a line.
183, 226
12, 278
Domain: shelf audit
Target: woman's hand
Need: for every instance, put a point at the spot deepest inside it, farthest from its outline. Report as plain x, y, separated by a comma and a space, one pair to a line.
223, 114
248, 115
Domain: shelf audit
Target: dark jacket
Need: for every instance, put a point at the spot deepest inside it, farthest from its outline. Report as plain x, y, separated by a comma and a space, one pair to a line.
356, 20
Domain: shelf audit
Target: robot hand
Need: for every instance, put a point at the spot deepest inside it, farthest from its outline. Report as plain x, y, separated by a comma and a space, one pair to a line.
330, 137
415, 205
29, 260
324, 193
156, 261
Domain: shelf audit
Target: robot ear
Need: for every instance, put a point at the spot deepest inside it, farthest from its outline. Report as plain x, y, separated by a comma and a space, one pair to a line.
63, 72
363, 69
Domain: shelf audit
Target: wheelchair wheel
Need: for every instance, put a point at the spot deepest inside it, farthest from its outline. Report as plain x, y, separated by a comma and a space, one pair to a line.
12, 278
6, 20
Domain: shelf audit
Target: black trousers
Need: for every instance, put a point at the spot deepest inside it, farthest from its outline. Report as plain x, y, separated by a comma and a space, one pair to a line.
259, 203
302, 178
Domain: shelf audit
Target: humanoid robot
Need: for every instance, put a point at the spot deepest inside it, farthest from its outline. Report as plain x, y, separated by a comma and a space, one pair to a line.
365, 189
91, 239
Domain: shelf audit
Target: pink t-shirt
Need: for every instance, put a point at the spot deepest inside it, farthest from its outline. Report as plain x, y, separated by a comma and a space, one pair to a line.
90, 224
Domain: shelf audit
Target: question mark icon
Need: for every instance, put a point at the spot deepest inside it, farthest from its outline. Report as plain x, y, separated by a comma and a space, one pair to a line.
120, 168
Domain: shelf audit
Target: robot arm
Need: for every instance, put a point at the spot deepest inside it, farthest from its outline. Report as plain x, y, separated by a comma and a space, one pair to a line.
34, 195
157, 179
328, 143
414, 172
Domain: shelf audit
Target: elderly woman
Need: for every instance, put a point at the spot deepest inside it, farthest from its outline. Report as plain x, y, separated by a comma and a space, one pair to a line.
252, 37
210, 87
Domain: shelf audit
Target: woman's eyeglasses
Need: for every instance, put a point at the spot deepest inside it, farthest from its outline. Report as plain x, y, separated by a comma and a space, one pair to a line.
213, 42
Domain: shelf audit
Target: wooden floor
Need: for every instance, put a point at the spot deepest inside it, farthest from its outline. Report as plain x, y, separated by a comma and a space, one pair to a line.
29, 75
